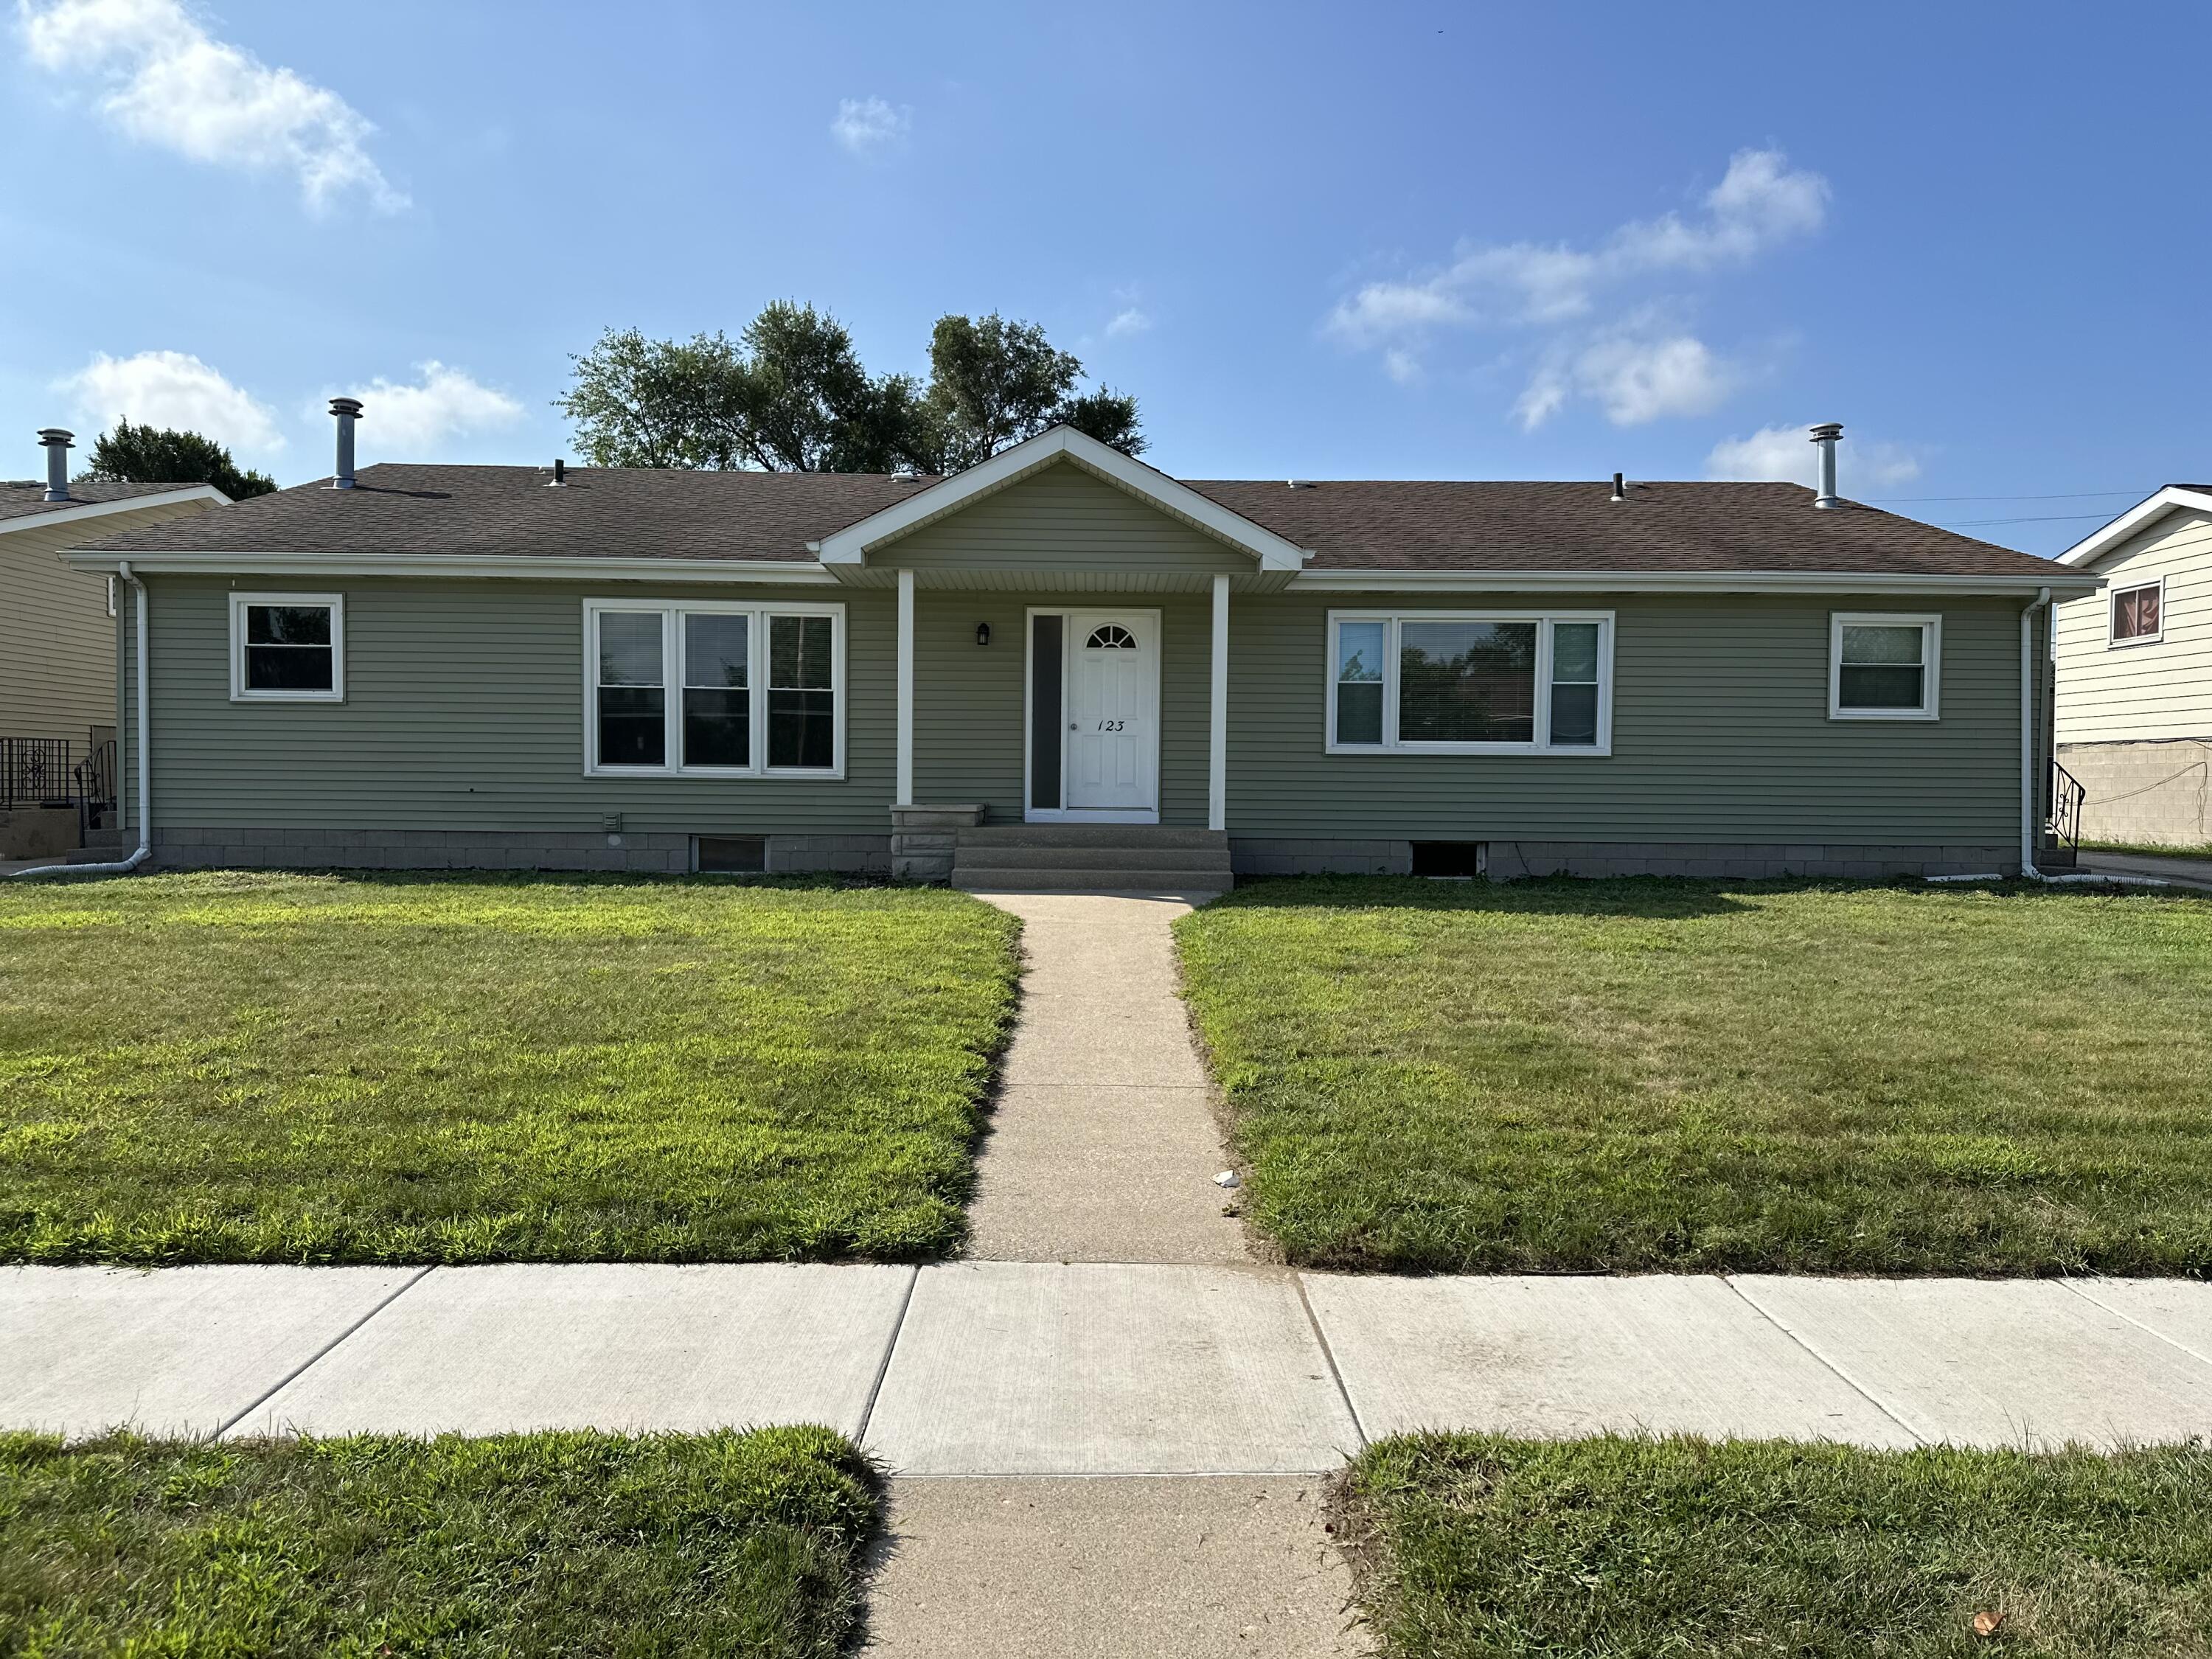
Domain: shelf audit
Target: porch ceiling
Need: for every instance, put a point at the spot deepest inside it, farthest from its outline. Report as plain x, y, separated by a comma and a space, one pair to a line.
1058, 579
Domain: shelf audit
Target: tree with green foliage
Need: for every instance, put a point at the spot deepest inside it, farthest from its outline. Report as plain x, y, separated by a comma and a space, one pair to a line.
993, 383
791, 395
150, 454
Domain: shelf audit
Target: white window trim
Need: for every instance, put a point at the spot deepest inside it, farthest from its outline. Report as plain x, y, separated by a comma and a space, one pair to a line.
671, 680
1930, 623
2112, 641
1392, 745
239, 691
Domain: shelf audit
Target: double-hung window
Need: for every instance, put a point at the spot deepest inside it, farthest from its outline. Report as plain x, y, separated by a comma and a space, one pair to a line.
715, 688
1884, 665
286, 647
1470, 683
2138, 614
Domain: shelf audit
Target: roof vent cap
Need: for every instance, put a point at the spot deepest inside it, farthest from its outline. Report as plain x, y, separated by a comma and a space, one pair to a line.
1619, 487
1299, 483
560, 473
1825, 437
346, 412
56, 442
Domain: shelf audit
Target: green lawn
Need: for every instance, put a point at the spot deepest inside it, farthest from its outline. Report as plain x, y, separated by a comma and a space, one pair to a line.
1605, 1076
569, 1545
250, 1067
1629, 1549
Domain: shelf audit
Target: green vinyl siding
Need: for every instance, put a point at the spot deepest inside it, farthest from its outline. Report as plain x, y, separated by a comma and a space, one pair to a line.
1721, 733
464, 709
1064, 519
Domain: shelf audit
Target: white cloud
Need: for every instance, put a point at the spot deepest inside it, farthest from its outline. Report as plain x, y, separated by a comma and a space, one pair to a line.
1403, 367
1633, 377
865, 125
416, 419
169, 82
1127, 321
172, 389
1759, 205
1786, 454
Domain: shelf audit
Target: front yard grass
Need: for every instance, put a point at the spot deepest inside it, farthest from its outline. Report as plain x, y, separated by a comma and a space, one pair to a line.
545, 1544
256, 1067
1642, 1549
1636, 1075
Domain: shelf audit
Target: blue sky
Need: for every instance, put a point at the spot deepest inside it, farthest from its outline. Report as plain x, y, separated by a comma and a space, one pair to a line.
1416, 240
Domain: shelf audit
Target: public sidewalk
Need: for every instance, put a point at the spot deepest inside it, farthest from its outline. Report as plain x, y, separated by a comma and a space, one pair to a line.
980, 1368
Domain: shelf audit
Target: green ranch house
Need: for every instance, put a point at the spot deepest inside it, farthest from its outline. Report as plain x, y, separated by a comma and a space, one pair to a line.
1064, 667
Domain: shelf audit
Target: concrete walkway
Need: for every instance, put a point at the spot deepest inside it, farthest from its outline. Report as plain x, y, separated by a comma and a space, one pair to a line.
2182, 873
1047, 1369
1103, 1143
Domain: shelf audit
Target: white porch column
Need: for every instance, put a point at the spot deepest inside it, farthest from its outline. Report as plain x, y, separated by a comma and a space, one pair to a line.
1217, 753
905, 689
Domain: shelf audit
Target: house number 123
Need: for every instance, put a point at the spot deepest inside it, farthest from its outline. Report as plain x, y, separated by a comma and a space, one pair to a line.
1110, 725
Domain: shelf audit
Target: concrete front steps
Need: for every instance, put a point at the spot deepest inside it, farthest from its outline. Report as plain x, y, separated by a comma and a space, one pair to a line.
1103, 858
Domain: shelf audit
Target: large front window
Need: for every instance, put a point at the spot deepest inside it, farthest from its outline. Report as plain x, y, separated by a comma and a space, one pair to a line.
1454, 682
687, 688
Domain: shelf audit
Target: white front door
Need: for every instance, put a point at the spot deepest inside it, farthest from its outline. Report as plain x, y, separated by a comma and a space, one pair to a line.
1112, 711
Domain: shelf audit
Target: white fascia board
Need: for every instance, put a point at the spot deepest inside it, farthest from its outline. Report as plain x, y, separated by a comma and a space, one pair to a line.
850, 545
783, 572
1674, 581
77, 512
2094, 546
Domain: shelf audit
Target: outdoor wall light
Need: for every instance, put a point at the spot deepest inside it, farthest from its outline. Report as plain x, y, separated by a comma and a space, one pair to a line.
982, 633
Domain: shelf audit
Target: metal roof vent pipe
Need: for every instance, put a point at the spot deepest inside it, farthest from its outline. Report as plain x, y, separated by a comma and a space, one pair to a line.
1825, 438
57, 445
348, 410
1619, 487
560, 473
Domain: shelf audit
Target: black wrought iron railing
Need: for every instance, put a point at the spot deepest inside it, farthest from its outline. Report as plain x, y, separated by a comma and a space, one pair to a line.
94, 777
37, 772
2063, 826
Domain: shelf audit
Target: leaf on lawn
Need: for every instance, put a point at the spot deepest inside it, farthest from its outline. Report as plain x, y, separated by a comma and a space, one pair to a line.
1988, 1624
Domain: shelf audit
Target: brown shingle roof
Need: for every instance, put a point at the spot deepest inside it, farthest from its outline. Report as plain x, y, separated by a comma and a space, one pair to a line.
1366, 524
23, 498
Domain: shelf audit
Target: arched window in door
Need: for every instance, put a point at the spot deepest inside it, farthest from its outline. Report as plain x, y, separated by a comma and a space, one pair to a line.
1111, 637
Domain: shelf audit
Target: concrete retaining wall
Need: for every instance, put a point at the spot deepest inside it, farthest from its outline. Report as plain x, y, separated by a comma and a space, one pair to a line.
1506, 860
2153, 793
638, 853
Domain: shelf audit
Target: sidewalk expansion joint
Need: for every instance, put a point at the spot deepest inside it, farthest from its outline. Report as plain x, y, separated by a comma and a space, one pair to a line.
2126, 1317
1822, 1359
316, 1358
1328, 1357
884, 1366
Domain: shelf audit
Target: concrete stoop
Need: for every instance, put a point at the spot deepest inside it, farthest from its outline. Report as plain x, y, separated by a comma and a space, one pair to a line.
1107, 857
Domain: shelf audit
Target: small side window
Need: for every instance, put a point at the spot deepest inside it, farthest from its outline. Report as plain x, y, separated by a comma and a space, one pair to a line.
286, 647
2138, 614
1883, 666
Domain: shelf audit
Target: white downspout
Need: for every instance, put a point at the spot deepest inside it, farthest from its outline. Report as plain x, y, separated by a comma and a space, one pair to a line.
145, 757
2028, 826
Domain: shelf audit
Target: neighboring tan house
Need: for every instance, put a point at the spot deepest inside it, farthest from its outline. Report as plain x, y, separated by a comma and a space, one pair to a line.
2134, 672
1065, 667
58, 635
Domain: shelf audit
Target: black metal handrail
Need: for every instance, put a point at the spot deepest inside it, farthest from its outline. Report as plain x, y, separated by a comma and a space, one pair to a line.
2067, 794
37, 772
94, 776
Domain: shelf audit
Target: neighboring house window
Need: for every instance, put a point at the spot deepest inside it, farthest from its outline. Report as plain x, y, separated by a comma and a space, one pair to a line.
112, 584
1884, 665
1466, 682
686, 687
286, 647
2139, 614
